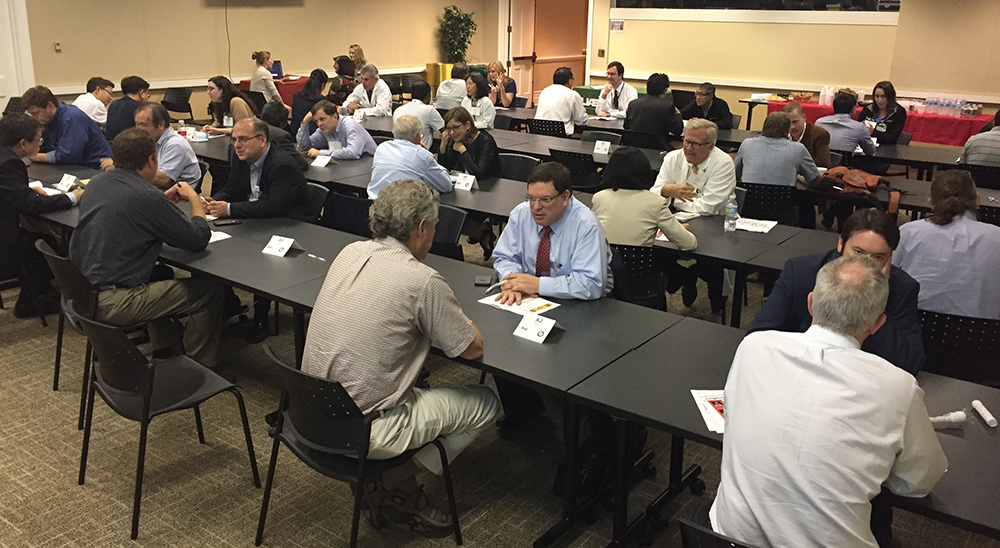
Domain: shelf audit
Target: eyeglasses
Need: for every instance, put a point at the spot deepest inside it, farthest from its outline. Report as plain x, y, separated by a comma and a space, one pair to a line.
692, 144
701, 93
453, 128
244, 140
546, 200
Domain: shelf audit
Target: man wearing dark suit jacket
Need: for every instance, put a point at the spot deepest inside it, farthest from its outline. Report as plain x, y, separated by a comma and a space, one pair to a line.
869, 232
21, 137
706, 105
264, 181
654, 113
815, 139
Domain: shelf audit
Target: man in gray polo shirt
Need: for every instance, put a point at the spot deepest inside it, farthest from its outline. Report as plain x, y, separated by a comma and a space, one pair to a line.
176, 158
983, 149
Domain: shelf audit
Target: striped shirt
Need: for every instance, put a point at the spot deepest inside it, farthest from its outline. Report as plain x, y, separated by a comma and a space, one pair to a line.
124, 221
982, 149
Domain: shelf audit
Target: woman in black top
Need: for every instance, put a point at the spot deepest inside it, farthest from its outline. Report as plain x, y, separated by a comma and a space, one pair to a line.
302, 101
883, 117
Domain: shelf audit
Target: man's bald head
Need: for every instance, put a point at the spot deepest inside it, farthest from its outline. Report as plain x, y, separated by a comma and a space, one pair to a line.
850, 295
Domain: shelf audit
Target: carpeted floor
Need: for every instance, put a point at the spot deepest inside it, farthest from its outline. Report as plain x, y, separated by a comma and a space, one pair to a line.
201, 495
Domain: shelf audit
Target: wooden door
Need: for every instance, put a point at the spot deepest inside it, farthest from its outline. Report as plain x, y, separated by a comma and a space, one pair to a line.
522, 46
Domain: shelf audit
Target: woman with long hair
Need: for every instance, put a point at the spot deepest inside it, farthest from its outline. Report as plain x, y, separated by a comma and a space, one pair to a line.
357, 56
314, 91
227, 106
503, 88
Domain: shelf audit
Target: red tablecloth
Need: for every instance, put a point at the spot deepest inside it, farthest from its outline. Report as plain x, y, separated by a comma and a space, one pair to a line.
926, 128
289, 88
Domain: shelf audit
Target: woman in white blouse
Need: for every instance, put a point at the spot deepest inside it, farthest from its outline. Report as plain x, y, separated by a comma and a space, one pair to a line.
262, 81
478, 102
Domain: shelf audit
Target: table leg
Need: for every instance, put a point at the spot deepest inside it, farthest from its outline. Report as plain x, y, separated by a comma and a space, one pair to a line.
750, 107
299, 327
571, 440
620, 528
740, 286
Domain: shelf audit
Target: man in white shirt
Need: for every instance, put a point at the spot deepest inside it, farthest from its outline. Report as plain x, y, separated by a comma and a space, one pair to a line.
372, 96
95, 102
812, 437
560, 102
405, 157
420, 107
617, 94
699, 179
451, 92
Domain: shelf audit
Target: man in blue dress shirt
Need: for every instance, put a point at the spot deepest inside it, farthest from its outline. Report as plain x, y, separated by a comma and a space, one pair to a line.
406, 158
846, 133
553, 246
70, 136
339, 137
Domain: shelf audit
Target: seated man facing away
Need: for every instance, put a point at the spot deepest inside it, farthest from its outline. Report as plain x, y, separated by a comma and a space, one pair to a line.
983, 149
866, 232
264, 181
654, 113
372, 96
552, 246
846, 133
420, 106
175, 158
561, 102
124, 221
773, 159
706, 105
95, 102
812, 437
451, 92
70, 136
339, 137
378, 355
406, 158
121, 111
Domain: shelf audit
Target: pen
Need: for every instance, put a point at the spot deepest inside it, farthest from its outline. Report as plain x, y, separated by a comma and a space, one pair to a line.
492, 287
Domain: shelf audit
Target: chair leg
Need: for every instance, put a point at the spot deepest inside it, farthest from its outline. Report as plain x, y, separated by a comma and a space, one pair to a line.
197, 422
246, 434
88, 362
276, 314
268, 483
450, 489
358, 492
59, 343
139, 468
482, 378
89, 415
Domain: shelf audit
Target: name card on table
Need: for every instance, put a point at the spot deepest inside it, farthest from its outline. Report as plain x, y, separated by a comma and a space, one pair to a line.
602, 147
279, 246
67, 183
359, 115
535, 328
321, 161
464, 181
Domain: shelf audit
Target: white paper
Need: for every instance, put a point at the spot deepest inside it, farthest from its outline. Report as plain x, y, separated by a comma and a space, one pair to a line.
754, 225
710, 404
292, 78
858, 149
684, 216
210, 217
67, 182
661, 236
602, 147
534, 327
321, 161
464, 181
34, 184
529, 305
218, 236
279, 246
607, 118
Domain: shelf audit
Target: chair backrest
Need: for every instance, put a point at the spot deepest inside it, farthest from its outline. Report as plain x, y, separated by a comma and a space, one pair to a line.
642, 139
347, 214
904, 138
984, 176
72, 283
682, 98
639, 279
120, 364
769, 203
737, 118
13, 105
836, 159
591, 136
517, 166
407, 81
741, 198
961, 347
317, 199
449, 226
554, 128
321, 414
581, 166
379, 139
203, 166
442, 111
395, 84
502, 122
989, 215
258, 99
696, 536
519, 102
177, 96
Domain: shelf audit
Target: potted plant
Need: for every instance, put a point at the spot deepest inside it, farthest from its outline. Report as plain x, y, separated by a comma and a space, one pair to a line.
457, 28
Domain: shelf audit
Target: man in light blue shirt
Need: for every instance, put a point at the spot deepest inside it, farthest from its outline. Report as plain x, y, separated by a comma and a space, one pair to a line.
552, 246
339, 137
846, 133
774, 159
176, 158
405, 158
421, 108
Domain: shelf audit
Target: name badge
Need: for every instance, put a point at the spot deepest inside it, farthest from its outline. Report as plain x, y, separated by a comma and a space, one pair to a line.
320, 161
602, 147
227, 121
67, 183
334, 144
880, 127
464, 181
535, 328
280, 245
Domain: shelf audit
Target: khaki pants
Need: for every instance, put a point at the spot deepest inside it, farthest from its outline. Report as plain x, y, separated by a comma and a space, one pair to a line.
457, 413
155, 302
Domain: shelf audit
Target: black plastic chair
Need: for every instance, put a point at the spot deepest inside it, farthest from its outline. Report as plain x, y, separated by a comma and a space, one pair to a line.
836, 159
322, 426
770, 203
347, 214
406, 83
591, 136
682, 98
317, 198
581, 166
554, 128
178, 100
395, 83
13, 106
517, 166
737, 118
379, 139
502, 122
984, 176
203, 165
642, 139
961, 347
989, 215
696, 536
448, 231
904, 138
640, 278
258, 100
139, 391
519, 102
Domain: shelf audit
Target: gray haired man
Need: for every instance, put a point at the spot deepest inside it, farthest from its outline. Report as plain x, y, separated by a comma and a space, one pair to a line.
372, 96
406, 158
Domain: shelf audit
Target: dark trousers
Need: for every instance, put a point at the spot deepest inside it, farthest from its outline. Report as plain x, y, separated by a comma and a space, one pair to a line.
519, 401
261, 308
21, 258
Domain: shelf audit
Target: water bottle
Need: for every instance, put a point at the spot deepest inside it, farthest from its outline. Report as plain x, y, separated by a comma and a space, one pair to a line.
932, 105
732, 213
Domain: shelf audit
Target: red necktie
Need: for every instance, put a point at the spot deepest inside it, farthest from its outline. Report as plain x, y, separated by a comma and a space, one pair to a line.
542, 259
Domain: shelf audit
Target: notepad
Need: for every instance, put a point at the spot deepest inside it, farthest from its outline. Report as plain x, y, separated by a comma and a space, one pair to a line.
529, 305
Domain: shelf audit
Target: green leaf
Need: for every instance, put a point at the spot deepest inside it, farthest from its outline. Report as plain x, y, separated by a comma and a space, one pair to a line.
457, 28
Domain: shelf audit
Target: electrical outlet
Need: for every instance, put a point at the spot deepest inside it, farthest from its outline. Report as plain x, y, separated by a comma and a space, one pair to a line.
57, 46
600, 53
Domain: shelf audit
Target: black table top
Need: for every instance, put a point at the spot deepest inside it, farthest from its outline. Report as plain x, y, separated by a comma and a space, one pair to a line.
216, 148
49, 173
713, 224
735, 137
919, 155
804, 242
731, 249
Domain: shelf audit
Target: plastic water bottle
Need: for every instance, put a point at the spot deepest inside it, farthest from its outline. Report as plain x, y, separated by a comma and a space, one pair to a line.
932, 105
732, 213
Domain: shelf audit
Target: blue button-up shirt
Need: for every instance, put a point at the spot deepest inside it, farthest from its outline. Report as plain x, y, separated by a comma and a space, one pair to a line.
579, 253
176, 158
72, 138
846, 133
354, 140
957, 265
772, 161
399, 159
